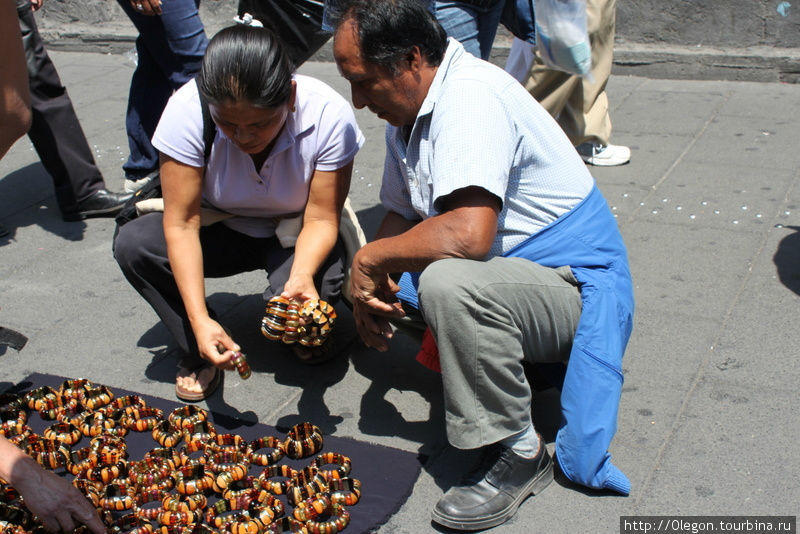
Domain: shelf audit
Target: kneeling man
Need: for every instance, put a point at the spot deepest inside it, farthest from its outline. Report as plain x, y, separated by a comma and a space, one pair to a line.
509, 250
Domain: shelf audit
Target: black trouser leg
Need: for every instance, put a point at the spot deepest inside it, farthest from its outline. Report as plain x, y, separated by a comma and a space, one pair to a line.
55, 131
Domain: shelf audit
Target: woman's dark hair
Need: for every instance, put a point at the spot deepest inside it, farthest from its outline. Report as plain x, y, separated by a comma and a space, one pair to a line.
389, 29
246, 63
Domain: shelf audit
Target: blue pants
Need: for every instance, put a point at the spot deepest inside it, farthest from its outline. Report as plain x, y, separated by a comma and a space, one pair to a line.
170, 49
474, 27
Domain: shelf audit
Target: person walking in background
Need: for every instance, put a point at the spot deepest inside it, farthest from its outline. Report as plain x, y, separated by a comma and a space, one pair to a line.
473, 23
57, 135
581, 106
170, 49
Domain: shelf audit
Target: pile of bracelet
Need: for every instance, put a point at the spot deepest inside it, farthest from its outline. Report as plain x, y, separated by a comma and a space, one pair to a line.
193, 480
308, 323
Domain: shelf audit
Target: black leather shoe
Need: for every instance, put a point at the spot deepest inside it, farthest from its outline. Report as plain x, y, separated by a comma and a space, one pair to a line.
102, 203
491, 494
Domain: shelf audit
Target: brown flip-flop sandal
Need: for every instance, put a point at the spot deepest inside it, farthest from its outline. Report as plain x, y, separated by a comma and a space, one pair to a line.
197, 396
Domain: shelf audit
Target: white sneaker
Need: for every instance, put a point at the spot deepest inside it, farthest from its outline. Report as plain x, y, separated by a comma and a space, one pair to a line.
604, 155
132, 186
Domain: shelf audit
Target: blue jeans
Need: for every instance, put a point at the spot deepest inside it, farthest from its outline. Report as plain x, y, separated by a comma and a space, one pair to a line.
473, 27
170, 49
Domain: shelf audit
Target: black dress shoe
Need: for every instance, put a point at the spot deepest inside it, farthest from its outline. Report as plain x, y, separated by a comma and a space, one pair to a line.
102, 203
491, 494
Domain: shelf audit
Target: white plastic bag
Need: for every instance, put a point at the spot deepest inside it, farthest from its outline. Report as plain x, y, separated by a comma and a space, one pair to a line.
562, 37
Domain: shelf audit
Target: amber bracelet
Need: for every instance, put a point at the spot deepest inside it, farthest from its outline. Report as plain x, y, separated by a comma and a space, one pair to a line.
345, 491
202, 430
302, 441
298, 493
240, 488
286, 524
105, 473
131, 524
49, 453
126, 401
108, 440
108, 454
142, 418
150, 473
74, 388
117, 497
66, 433
88, 488
229, 443
40, 397
166, 435
170, 518
80, 460
97, 397
186, 416
15, 431
11, 401
342, 463
95, 423
276, 487
266, 458
239, 361
171, 456
228, 467
185, 503
146, 497
192, 479
339, 519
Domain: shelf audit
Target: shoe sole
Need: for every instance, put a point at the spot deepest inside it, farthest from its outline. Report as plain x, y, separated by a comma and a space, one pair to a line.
534, 487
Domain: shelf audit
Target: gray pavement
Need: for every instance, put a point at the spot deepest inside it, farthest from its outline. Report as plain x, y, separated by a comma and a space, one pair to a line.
709, 207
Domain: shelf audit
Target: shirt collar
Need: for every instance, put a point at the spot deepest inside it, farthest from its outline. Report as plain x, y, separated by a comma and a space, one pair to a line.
453, 52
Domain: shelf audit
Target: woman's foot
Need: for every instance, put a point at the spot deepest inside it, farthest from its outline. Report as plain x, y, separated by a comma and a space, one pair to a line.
193, 385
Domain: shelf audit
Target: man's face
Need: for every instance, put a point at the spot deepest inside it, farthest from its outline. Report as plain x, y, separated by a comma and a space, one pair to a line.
395, 98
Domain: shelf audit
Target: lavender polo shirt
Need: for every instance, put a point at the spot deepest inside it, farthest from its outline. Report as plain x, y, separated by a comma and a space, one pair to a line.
321, 134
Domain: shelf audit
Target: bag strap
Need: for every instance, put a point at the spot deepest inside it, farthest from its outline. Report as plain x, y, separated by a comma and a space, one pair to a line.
209, 127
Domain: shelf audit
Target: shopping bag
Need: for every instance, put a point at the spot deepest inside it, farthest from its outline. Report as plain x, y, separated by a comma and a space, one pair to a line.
562, 37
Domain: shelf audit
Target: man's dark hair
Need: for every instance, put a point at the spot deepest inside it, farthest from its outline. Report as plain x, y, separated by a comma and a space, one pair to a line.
389, 29
246, 63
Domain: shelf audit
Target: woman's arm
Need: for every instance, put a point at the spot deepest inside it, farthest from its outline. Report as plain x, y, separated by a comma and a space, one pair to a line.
15, 112
320, 229
182, 189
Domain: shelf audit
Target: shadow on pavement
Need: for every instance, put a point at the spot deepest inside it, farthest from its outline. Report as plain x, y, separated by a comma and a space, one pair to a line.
787, 260
32, 186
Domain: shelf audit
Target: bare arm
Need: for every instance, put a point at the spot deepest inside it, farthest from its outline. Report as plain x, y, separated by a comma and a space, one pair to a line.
59, 505
15, 112
465, 229
320, 229
182, 189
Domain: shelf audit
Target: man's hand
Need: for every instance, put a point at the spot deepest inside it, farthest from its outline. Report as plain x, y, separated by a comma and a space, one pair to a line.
373, 301
214, 344
60, 506
36, 5
147, 7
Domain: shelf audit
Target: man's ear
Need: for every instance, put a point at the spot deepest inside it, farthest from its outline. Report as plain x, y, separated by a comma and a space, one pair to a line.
415, 60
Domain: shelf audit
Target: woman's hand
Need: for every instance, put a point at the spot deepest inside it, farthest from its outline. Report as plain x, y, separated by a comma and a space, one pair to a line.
214, 344
301, 287
147, 7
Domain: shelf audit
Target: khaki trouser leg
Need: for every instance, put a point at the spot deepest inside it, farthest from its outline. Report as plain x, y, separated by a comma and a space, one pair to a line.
580, 106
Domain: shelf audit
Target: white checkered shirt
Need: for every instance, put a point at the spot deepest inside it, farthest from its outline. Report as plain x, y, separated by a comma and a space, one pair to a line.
479, 127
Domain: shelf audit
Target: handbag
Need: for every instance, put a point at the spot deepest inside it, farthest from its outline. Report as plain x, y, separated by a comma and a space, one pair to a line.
562, 38
298, 23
